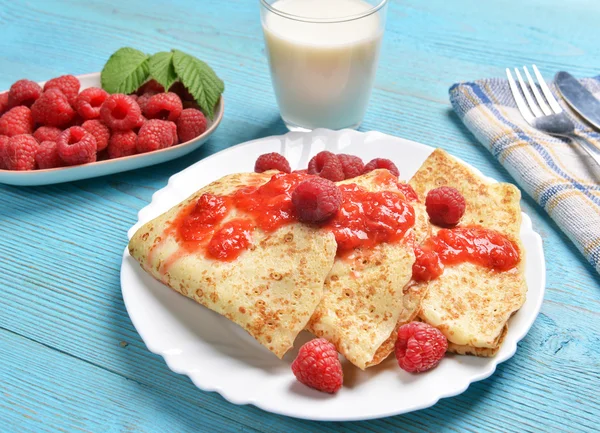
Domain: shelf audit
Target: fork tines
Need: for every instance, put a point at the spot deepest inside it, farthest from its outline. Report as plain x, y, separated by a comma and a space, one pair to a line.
531, 110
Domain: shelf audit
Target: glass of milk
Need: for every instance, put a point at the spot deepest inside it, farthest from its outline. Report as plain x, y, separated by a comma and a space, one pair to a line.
323, 57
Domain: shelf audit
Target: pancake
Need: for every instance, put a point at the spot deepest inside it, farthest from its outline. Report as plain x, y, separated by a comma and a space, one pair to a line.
469, 303
363, 294
270, 290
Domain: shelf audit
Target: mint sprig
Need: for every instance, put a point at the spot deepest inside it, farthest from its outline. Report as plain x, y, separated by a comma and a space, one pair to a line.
162, 70
200, 80
127, 69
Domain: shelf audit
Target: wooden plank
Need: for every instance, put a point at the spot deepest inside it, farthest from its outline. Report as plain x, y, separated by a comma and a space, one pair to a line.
61, 246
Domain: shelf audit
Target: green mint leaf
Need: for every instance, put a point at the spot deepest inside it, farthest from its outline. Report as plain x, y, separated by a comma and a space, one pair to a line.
162, 69
125, 71
200, 80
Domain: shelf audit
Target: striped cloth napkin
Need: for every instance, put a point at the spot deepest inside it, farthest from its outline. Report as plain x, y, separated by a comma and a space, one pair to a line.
558, 174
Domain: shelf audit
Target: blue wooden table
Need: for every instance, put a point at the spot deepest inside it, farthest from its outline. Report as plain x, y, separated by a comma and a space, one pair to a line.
70, 359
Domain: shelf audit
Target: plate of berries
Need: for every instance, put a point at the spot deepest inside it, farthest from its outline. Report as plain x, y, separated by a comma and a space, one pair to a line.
461, 284
69, 128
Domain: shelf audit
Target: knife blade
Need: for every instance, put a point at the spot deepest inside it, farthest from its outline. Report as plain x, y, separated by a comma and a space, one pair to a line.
578, 97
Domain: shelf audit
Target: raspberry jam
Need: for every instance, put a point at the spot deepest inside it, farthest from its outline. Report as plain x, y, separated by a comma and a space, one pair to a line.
268, 207
465, 244
366, 219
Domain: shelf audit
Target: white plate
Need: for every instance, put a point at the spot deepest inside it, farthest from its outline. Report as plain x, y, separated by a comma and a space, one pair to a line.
219, 356
102, 168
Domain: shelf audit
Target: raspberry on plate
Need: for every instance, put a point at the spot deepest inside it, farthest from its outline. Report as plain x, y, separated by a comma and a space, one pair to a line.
3, 103
445, 206
376, 163
191, 124
89, 101
47, 155
155, 134
163, 106
316, 200
326, 165
120, 112
47, 133
100, 132
352, 165
142, 100
318, 366
16, 121
419, 347
3, 142
67, 84
151, 86
19, 152
122, 143
23, 92
272, 161
76, 146
52, 109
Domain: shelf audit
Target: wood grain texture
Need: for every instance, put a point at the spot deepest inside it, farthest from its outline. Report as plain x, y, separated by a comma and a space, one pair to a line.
70, 359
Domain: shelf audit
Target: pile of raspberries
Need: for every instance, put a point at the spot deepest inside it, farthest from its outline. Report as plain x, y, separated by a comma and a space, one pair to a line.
58, 126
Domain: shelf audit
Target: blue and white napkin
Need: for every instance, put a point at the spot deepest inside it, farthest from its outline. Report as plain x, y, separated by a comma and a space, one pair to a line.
558, 174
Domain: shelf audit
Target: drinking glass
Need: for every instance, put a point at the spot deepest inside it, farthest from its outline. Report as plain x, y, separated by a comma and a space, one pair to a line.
323, 57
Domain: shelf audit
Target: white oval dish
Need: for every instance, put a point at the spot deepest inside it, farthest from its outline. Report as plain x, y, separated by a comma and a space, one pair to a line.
219, 356
102, 168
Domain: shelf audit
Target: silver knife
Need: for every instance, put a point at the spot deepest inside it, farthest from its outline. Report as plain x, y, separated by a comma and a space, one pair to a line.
578, 97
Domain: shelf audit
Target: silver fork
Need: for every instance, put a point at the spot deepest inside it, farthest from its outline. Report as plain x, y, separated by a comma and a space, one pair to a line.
546, 115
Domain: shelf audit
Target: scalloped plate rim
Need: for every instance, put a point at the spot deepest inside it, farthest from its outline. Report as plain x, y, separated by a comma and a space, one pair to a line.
266, 404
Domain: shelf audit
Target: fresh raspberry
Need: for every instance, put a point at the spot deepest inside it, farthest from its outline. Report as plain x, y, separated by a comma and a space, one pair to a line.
327, 165
445, 206
272, 161
134, 96
19, 152
16, 121
352, 165
47, 155
179, 89
155, 134
46, 133
89, 101
174, 132
100, 132
151, 86
408, 191
317, 365
419, 347
376, 163
316, 200
76, 146
52, 109
120, 112
23, 92
164, 106
67, 84
122, 143
191, 124
3, 142
3, 103
143, 100
427, 265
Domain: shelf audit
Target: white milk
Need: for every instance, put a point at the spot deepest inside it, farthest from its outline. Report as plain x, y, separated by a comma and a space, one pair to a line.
323, 72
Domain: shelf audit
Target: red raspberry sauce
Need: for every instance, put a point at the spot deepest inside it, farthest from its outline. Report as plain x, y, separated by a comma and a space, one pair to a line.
465, 244
366, 219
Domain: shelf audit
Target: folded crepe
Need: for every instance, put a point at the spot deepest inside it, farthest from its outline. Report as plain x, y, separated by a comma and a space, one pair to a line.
270, 290
469, 303
363, 296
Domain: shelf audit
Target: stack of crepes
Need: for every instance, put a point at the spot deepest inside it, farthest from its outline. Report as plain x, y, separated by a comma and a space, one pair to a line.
296, 276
